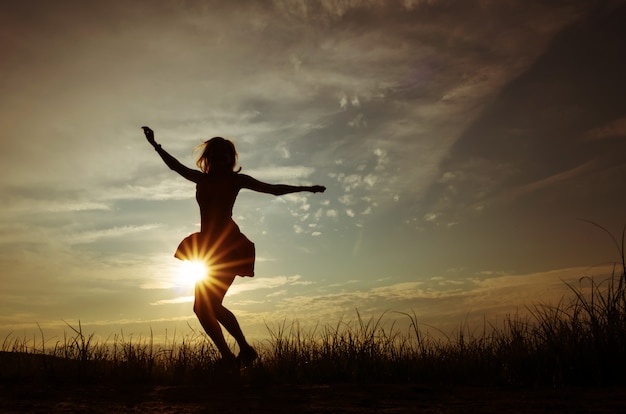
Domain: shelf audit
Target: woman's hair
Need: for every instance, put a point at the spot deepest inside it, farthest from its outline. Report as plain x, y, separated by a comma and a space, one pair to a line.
217, 153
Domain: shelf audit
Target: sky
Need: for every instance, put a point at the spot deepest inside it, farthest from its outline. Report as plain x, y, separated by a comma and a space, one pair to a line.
465, 146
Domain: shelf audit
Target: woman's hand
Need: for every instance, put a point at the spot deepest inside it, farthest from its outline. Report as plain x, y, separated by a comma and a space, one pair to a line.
149, 135
318, 189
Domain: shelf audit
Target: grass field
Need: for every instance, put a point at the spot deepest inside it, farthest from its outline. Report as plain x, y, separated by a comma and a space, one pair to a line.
579, 342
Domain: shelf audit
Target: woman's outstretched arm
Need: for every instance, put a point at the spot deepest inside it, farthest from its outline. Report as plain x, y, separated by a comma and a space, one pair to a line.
277, 189
170, 161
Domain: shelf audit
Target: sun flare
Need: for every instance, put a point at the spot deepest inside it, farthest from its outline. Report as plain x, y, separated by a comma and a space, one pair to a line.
189, 272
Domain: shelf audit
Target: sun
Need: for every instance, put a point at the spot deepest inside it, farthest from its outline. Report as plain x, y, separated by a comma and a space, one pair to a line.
191, 271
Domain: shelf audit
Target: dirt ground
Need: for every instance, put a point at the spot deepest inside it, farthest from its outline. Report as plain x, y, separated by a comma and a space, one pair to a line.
336, 398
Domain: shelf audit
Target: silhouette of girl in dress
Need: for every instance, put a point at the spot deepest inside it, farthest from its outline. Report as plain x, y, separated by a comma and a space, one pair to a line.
220, 244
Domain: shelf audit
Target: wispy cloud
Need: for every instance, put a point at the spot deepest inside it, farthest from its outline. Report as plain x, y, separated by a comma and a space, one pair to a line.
91, 236
172, 188
491, 295
276, 174
181, 299
613, 129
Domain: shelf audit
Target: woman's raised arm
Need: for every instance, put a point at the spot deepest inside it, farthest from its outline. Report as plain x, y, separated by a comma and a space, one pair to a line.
277, 189
170, 161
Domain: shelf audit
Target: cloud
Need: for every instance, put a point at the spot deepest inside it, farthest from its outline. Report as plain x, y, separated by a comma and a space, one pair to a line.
547, 182
39, 199
613, 129
440, 301
171, 188
276, 174
269, 283
529, 137
115, 232
182, 299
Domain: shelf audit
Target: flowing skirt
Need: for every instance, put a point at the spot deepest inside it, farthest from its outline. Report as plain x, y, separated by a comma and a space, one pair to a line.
227, 252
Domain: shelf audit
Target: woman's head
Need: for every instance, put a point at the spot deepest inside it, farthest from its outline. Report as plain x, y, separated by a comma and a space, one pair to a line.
217, 154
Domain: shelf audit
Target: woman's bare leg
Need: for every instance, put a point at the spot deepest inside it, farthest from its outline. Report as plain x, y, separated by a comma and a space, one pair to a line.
228, 319
213, 329
206, 294
211, 312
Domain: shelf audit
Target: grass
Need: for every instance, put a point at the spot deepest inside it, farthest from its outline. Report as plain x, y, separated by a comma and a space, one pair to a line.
578, 342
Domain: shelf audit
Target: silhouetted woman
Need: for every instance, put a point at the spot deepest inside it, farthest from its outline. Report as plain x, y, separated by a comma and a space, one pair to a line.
220, 244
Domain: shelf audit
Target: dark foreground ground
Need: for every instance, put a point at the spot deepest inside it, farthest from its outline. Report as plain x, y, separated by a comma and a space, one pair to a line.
336, 398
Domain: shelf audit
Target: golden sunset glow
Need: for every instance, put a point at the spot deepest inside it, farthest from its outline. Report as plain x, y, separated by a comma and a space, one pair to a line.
191, 271
460, 143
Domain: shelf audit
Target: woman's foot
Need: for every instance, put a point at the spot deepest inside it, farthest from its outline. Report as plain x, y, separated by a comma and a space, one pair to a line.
247, 354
